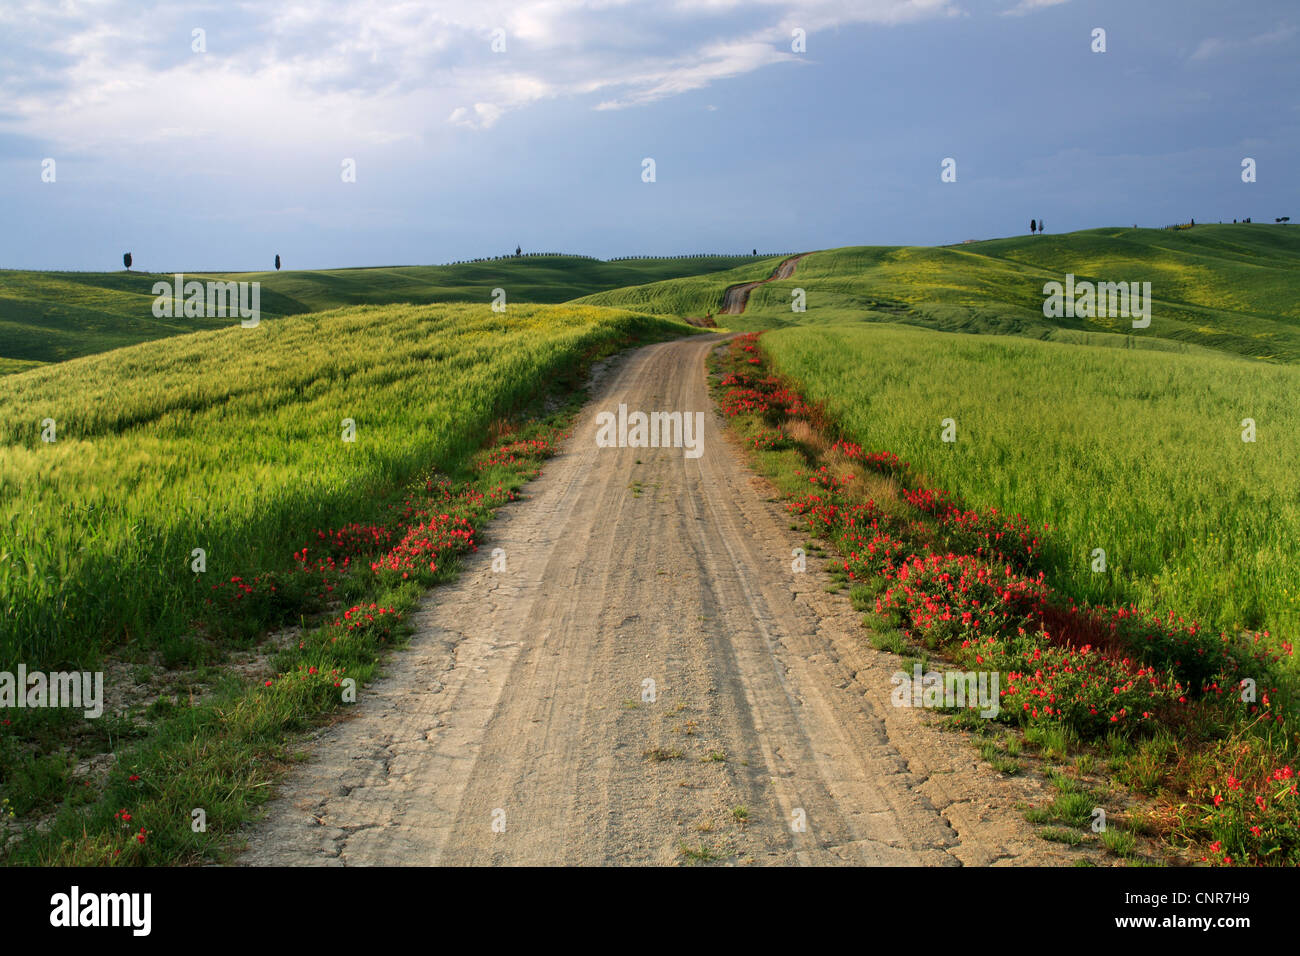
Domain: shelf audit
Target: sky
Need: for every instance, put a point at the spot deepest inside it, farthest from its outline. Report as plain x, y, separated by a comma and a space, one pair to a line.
210, 136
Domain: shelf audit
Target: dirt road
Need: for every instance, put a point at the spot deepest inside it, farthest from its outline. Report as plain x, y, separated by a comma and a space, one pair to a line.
514, 730
736, 297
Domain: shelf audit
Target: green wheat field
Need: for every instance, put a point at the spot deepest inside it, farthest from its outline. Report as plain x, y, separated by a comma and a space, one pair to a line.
178, 434
1125, 440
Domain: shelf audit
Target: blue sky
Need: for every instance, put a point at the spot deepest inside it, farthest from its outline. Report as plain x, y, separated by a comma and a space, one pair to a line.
219, 160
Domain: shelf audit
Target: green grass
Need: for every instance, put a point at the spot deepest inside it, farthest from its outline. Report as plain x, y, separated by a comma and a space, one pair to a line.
1227, 288
538, 279
1145, 768
1000, 762
55, 316
1071, 809
688, 296
888, 639
221, 435
1053, 742
703, 853
1220, 771
1063, 783
1059, 835
8, 366
1119, 842
209, 749
231, 441
1138, 453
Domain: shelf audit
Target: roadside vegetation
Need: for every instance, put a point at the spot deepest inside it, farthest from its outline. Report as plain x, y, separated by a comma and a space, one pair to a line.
234, 442
316, 548
1201, 719
204, 528
1136, 454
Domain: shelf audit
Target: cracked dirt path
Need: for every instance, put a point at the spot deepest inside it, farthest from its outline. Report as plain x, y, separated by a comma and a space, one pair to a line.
513, 730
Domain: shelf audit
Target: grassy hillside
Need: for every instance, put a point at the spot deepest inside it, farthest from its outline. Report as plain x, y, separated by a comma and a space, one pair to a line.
1137, 453
54, 316
1229, 288
539, 279
1117, 706
231, 441
688, 296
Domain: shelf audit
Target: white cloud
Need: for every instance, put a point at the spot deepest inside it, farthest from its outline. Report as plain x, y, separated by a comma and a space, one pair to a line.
1029, 6
117, 74
481, 117
660, 79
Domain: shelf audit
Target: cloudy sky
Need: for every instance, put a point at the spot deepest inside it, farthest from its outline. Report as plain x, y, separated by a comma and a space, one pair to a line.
211, 136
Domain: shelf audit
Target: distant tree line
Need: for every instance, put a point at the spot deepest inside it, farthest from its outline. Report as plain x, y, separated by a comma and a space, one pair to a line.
1281, 220
520, 255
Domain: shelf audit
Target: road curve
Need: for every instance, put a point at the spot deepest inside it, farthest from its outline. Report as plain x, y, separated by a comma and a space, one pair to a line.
513, 730
736, 297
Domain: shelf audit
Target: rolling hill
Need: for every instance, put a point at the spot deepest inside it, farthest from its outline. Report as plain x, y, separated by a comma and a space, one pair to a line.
54, 316
1232, 288
230, 440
